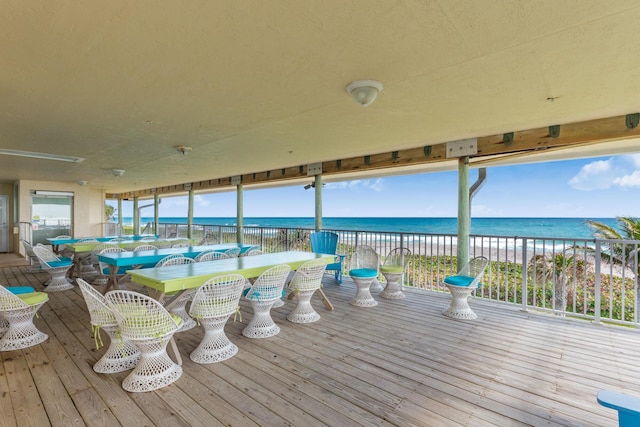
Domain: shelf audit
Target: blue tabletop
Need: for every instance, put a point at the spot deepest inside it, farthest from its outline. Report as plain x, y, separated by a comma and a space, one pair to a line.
129, 258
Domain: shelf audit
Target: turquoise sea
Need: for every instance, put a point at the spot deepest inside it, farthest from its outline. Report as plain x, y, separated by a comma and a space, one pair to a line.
568, 228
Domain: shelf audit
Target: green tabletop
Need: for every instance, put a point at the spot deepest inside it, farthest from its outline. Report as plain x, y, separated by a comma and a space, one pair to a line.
189, 276
125, 244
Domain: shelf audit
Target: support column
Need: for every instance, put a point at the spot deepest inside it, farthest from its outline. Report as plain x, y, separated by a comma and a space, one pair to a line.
156, 214
239, 214
190, 214
136, 217
318, 188
120, 225
464, 215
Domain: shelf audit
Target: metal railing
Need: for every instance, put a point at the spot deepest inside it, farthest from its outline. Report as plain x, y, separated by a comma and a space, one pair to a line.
586, 278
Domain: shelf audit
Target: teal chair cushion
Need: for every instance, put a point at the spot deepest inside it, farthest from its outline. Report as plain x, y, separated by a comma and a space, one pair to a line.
459, 280
363, 272
20, 289
65, 262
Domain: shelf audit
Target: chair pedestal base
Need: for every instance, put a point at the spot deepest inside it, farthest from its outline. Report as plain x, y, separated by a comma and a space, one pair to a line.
21, 332
100, 280
34, 265
261, 325
179, 308
459, 307
59, 280
215, 346
278, 303
303, 311
155, 369
393, 290
363, 296
375, 286
120, 355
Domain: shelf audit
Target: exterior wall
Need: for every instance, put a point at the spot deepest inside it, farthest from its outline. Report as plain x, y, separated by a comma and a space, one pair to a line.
88, 206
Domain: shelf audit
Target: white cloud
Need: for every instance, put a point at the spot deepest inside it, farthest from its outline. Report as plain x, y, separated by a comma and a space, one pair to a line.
630, 181
635, 159
200, 201
377, 184
598, 175
621, 171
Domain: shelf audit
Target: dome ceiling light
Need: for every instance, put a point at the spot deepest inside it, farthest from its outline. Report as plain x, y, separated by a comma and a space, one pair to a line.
364, 92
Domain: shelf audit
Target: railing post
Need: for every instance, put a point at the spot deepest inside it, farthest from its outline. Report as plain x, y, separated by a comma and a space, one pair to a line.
597, 297
525, 276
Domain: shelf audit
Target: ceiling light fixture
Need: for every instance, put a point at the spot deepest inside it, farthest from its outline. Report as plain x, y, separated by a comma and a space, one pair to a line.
82, 183
364, 92
117, 172
183, 149
44, 156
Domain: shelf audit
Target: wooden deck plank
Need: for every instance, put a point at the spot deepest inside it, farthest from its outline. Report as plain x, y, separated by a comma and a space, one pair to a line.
399, 363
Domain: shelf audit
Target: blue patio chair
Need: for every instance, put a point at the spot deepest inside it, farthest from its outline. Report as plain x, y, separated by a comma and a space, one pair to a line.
326, 242
628, 407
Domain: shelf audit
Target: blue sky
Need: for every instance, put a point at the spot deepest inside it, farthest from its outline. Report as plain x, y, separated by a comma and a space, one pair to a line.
597, 187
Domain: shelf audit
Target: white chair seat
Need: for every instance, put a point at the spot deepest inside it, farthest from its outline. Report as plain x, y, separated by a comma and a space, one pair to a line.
56, 267
121, 355
143, 321
462, 285
213, 303
262, 294
305, 282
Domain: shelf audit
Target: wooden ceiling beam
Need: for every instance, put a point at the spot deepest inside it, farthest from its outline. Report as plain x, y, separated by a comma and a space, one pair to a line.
519, 142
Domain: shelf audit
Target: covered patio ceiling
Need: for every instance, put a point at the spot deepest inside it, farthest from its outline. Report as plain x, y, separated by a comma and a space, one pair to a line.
260, 86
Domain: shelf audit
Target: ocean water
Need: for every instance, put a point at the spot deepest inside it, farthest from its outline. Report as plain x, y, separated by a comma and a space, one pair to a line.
567, 228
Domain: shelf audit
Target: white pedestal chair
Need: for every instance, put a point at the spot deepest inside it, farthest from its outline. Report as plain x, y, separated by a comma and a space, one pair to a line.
266, 290
213, 303
98, 277
252, 252
363, 269
145, 322
461, 286
179, 307
305, 282
85, 266
18, 311
34, 262
4, 324
209, 256
104, 269
56, 267
145, 247
63, 251
394, 267
121, 355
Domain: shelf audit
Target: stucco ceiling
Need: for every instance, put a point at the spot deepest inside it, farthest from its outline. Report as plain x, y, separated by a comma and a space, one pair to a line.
259, 85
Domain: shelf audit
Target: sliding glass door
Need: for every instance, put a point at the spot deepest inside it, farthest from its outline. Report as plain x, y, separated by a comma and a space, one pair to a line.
51, 215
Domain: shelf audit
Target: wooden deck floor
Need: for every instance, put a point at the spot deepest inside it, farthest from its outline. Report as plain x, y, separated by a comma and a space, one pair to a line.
400, 363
